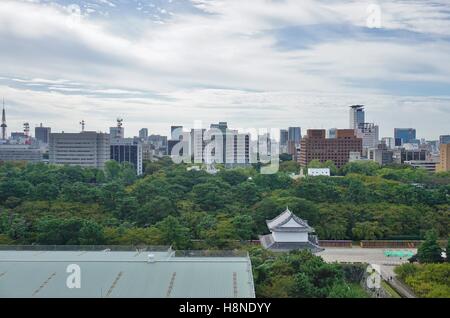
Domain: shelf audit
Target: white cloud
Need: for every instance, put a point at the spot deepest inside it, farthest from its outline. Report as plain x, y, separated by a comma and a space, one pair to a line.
224, 64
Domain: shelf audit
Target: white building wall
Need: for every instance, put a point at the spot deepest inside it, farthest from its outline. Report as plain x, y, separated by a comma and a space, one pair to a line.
369, 136
314, 172
86, 149
290, 237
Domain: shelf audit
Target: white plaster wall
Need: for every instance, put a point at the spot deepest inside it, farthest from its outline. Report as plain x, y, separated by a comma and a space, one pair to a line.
290, 237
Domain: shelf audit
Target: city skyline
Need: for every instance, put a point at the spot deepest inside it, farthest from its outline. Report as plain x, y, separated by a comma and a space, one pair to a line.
273, 64
187, 128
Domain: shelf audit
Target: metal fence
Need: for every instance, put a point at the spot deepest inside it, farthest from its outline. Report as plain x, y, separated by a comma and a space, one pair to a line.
211, 253
117, 248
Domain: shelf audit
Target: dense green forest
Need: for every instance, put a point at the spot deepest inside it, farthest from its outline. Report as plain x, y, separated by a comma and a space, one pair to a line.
45, 204
300, 274
427, 280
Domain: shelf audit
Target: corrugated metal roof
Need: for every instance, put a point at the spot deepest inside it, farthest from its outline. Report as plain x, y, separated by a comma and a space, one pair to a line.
124, 274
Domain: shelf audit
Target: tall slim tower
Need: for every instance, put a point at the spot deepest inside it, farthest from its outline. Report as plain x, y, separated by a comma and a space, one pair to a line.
3, 125
356, 116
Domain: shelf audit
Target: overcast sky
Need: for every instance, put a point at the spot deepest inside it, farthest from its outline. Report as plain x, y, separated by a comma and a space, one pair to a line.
253, 63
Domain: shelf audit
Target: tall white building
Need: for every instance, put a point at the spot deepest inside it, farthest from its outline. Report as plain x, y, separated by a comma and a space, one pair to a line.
86, 149
237, 148
196, 144
369, 133
215, 145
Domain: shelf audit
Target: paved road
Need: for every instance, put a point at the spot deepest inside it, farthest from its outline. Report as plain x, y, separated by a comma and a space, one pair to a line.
371, 256
387, 272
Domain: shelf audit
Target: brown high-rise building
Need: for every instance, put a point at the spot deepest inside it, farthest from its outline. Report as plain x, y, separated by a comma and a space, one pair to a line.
444, 165
315, 146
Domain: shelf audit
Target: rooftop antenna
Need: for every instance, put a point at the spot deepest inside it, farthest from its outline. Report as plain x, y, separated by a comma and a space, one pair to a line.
83, 124
26, 130
119, 126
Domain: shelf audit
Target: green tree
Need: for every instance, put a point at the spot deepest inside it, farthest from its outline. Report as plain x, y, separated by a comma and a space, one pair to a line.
173, 233
212, 195
91, 233
59, 232
234, 176
223, 235
247, 193
127, 173
430, 251
112, 170
447, 251
243, 225
46, 191
366, 231
155, 210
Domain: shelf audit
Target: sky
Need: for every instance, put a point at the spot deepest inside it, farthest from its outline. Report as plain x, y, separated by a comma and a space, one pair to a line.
252, 63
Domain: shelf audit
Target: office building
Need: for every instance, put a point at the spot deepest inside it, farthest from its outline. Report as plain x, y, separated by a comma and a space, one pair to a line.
218, 147
170, 148
444, 139
18, 136
295, 135
237, 149
389, 142
42, 134
85, 149
369, 134
381, 155
159, 145
197, 144
432, 146
147, 152
27, 153
404, 136
128, 150
176, 132
315, 146
117, 133
423, 164
444, 164
284, 137
332, 133
357, 116
143, 134
413, 155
